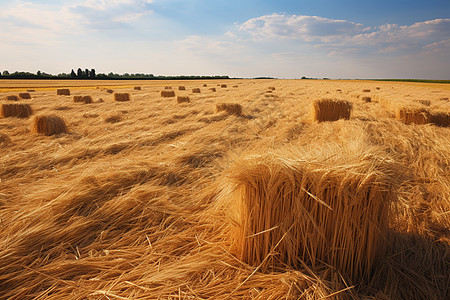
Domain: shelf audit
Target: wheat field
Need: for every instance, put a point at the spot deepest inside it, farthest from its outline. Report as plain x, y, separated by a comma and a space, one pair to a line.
143, 199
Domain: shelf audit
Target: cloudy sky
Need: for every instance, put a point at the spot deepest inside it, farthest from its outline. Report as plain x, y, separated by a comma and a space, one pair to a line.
239, 38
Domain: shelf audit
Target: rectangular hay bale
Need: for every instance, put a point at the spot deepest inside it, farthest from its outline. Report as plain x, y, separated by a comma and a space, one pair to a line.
122, 97
410, 115
331, 110
16, 110
65, 92
315, 209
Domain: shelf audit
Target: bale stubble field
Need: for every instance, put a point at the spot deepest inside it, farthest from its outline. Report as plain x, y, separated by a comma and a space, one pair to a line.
150, 199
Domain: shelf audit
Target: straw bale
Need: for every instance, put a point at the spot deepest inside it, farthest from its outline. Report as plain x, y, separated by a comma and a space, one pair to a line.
31, 91
109, 91
367, 99
181, 99
411, 115
65, 92
49, 125
167, 87
181, 88
113, 119
25, 95
196, 91
366, 91
12, 98
212, 89
167, 94
331, 110
137, 88
320, 208
82, 99
441, 119
77, 99
235, 86
205, 85
271, 88
122, 97
230, 108
16, 110
223, 85
4, 139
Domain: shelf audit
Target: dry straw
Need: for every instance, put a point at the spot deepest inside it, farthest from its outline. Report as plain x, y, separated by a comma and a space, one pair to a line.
65, 92
16, 110
49, 125
324, 208
410, 115
4, 139
25, 95
367, 99
229, 108
122, 97
181, 88
424, 102
137, 88
167, 94
181, 99
12, 98
331, 110
196, 91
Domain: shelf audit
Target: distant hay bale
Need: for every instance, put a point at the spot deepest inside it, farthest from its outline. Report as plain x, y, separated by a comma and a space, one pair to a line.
65, 92
366, 91
441, 119
316, 208
25, 95
181, 88
4, 139
137, 88
167, 94
444, 99
223, 85
367, 99
109, 91
82, 99
424, 102
235, 86
378, 88
31, 91
181, 99
230, 108
167, 87
16, 110
205, 85
49, 125
196, 91
409, 115
113, 119
212, 89
122, 97
100, 100
271, 88
331, 110
338, 90
12, 98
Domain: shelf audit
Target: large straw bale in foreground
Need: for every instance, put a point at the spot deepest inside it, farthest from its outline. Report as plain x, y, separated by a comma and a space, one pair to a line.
16, 110
331, 110
410, 115
229, 108
328, 208
122, 97
49, 125
65, 92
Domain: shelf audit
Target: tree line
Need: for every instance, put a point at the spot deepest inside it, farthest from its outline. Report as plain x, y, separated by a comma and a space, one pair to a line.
87, 74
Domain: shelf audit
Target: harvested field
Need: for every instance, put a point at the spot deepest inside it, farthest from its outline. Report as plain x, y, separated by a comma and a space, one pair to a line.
149, 199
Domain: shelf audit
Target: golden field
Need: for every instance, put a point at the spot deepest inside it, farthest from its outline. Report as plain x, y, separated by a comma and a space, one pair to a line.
145, 199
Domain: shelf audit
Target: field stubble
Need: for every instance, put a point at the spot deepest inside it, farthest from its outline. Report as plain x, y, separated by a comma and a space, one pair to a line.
132, 208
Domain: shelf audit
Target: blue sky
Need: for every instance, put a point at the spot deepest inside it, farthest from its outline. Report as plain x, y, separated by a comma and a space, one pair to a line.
285, 39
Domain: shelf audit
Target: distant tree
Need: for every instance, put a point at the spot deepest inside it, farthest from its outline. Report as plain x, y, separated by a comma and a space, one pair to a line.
72, 74
79, 73
87, 73
38, 73
5, 73
92, 75
303, 77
